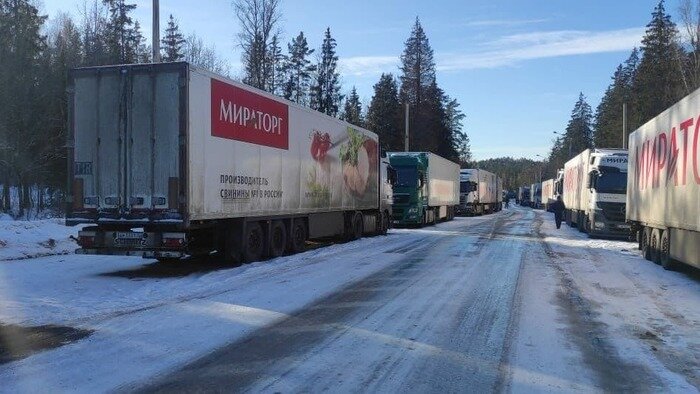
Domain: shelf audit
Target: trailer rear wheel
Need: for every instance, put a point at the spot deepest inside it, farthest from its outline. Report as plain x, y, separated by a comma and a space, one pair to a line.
383, 224
254, 242
357, 226
654, 245
646, 250
278, 238
665, 252
296, 242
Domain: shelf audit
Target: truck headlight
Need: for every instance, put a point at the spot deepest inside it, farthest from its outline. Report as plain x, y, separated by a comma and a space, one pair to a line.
412, 211
599, 225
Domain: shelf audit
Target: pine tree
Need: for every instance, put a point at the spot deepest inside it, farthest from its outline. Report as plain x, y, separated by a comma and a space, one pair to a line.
658, 82
137, 49
277, 62
22, 133
325, 92
384, 113
93, 29
353, 109
579, 130
608, 117
298, 69
173, 42
454, 117
121, 38
417, 66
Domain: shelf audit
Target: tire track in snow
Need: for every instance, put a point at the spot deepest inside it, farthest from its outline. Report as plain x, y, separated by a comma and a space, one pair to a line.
589, 335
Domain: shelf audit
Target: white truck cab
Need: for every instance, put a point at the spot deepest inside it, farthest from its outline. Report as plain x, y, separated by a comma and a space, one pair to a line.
595, 186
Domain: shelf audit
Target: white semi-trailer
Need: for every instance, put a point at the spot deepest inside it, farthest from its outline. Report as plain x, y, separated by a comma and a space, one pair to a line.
536, 195
168, 160
663, 187
595, 182
480, 192
548, 196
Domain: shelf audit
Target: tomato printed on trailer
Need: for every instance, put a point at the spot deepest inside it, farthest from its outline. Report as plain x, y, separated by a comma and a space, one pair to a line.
241, 115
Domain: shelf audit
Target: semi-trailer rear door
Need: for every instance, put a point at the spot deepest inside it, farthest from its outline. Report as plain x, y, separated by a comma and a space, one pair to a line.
126, 132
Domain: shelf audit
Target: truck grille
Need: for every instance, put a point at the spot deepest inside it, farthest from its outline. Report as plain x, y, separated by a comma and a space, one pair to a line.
401, 198
613, 211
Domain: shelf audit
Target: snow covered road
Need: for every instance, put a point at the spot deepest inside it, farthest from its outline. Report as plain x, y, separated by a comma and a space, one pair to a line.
496, 303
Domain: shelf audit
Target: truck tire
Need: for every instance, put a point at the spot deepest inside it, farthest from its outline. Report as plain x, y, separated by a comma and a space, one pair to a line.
665, 252
296, 242
254, 243
357, 227
278, 238
654, 241
639, 236
646, 235
383, 223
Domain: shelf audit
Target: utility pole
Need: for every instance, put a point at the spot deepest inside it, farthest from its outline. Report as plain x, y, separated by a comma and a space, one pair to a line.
406, 136
624, 124
156, 32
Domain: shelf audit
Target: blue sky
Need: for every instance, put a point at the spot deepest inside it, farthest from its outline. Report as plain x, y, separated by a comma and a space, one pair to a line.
515, 66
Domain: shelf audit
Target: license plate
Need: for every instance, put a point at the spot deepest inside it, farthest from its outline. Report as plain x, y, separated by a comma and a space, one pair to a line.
623, 226
129, 235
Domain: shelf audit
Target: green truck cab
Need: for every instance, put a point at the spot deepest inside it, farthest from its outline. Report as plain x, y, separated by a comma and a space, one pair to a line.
410, 199
426, 188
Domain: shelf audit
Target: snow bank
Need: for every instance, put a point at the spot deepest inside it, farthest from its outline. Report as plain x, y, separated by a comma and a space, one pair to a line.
20, 239
651, 315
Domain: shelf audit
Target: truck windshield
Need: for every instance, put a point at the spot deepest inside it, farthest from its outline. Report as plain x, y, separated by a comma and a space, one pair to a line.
467, 186
406, 176
612, 182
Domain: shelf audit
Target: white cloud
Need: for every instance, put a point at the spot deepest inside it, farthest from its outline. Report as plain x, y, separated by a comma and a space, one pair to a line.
368, 65
503, 22
510, 50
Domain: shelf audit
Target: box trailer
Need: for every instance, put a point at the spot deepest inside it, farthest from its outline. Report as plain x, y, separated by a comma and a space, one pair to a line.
426, 189
169, 160
524, 196
536, 195
663, 187
480, 192
548, 196
595, 183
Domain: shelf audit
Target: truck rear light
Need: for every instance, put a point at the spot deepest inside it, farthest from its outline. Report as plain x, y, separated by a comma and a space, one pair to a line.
112, 200
173, 240
159, 201
92, 200
86, 238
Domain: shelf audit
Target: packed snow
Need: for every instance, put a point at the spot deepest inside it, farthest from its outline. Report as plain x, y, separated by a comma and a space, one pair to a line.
23, 239
148, 323
649, 315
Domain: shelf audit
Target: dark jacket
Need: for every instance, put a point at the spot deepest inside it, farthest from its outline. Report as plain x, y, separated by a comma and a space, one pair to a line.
558, 207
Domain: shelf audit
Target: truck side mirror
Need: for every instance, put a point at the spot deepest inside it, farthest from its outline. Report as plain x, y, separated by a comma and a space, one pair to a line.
592, 178
391, 175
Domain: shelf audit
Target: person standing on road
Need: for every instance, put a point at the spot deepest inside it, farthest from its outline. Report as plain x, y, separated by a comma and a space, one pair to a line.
507, 201
558, 209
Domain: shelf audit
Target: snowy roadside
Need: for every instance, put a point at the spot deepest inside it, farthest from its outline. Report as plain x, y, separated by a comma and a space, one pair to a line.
22, 239
649, 316
145, 326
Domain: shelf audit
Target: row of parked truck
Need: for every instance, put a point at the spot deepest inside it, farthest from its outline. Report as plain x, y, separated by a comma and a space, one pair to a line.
650, 192
169, 160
